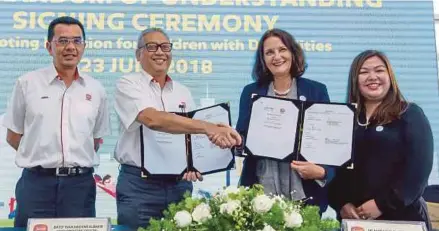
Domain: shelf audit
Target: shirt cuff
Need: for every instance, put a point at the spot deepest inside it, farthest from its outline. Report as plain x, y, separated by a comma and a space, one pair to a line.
322, 183
382, 204
239, 150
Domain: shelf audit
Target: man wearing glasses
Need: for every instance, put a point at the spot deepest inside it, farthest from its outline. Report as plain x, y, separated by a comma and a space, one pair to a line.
143, 101
55, 120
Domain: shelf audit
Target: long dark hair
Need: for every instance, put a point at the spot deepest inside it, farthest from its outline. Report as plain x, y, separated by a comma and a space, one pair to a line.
261, 74
393, 104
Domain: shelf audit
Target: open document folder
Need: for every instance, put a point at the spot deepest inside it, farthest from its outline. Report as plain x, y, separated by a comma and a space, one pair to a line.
284, 129
168, 154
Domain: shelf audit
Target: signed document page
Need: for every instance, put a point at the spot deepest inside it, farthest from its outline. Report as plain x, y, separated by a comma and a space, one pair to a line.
206, 156
165, 153
327, 134
272, 128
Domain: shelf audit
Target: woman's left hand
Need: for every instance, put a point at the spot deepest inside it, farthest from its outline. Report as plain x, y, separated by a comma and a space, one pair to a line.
369, 210
308, 171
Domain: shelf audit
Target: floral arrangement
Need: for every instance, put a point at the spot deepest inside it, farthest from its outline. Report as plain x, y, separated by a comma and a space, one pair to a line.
241, 209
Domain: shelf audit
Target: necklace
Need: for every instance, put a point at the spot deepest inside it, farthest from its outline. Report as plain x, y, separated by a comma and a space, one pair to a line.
284, 93
361, 124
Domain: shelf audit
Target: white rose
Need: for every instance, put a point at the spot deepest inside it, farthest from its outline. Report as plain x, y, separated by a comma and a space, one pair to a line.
268, 228
262, 203
293, 219
230, 207
183, 218
201, 213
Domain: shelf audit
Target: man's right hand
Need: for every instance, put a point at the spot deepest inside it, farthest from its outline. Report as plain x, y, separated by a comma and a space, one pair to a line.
193, 176
223, 135
348, 211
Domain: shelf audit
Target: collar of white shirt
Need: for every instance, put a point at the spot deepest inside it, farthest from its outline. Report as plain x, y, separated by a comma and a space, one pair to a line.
53, 74
149, 79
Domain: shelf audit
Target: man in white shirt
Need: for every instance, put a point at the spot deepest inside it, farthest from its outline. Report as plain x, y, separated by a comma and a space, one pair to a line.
55, 120
143, 101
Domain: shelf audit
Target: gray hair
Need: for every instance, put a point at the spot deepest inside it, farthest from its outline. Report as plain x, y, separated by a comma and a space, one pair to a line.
141, 43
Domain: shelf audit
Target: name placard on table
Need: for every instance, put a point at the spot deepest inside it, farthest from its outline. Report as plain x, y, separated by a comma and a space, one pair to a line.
69, 224
372, 225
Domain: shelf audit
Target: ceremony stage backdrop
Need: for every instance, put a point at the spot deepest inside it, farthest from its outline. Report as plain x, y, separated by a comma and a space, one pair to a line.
214, 45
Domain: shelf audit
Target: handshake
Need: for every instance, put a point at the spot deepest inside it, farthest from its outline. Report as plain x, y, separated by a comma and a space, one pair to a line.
223, 136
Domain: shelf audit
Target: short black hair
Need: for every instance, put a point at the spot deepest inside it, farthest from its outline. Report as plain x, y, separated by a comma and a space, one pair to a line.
63, 20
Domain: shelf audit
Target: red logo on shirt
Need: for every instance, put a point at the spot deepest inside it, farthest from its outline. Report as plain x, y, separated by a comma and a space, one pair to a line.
88, 97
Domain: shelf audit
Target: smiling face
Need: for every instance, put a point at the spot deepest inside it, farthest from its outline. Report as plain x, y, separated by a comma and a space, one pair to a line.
373, 79
155, 63
277, 57
66, 56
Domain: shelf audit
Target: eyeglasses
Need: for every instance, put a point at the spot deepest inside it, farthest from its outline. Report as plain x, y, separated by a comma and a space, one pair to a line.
153, 47
65, 41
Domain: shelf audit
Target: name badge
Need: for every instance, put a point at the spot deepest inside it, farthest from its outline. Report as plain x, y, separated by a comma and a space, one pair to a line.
64, 224
372, 225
